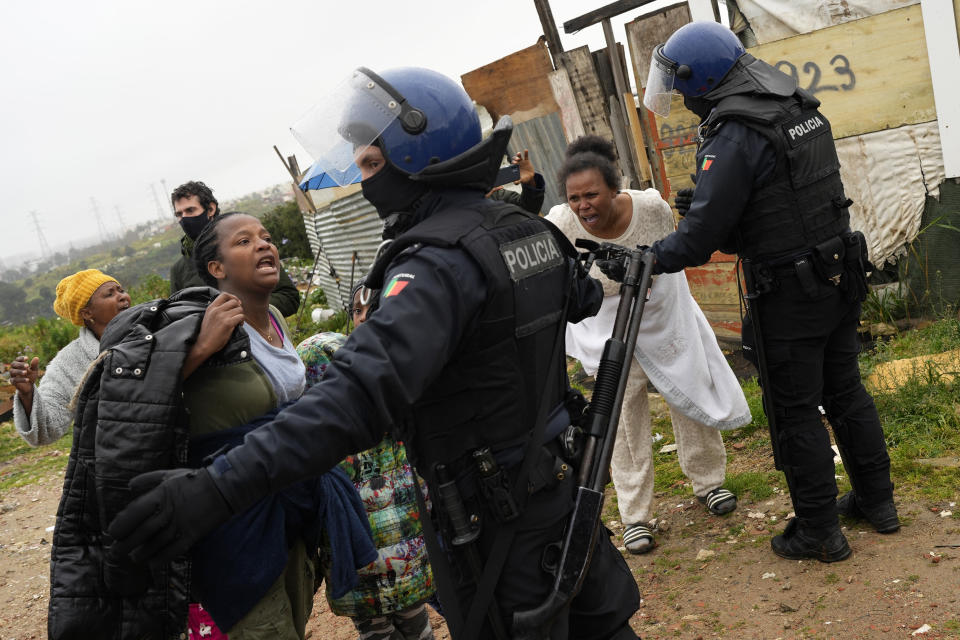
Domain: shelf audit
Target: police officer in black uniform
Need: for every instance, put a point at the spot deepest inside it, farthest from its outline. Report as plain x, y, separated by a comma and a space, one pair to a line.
464, 357
768, 188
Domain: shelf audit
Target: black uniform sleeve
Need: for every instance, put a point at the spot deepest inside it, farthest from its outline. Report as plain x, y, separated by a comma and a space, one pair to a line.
285, 297
586, 298
429, 300
731, 163
531, 198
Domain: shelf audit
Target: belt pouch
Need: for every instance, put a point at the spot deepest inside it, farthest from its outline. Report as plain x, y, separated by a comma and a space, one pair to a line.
805, 274
828, 257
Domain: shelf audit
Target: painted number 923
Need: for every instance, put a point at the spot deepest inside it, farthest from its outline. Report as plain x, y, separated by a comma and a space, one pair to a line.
841, 67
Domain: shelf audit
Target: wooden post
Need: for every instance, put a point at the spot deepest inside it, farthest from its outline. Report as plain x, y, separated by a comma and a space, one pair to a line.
549, 31
624, 142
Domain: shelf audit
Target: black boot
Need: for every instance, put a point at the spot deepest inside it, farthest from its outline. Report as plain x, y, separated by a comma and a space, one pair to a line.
883, 516
797, 543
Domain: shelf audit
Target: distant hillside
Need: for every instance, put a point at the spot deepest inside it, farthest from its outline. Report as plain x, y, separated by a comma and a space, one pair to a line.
131, 260
261, 202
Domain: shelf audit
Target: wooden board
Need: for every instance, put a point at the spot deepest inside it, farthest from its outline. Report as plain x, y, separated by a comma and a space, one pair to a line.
643, 34
647, 31
591, 102
714, 287
870, 74
640, 155
517, 85
563, 94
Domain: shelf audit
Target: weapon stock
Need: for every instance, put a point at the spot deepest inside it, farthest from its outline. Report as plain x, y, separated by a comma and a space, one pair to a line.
600, 432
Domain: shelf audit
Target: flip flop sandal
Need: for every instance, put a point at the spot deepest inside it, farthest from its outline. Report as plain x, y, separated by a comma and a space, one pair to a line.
638, 538
719, 501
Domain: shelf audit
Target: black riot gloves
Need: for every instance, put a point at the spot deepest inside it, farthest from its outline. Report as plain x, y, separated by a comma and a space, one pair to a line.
682, 201
615, 268
684, 198
174, 509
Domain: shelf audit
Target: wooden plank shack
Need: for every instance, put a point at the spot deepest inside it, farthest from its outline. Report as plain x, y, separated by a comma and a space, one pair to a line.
517, 85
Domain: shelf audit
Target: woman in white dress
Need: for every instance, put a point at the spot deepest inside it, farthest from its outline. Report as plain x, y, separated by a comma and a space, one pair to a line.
676, 349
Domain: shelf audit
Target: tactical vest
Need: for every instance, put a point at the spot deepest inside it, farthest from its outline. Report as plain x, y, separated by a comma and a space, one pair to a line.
803, 202
488, 394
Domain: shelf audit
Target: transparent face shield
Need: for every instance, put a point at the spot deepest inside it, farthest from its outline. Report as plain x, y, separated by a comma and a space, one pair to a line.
659, 90
358, 110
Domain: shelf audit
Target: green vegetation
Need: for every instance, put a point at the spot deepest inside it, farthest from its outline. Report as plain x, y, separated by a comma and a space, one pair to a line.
285, 224
934, 338
921, 419
21, 464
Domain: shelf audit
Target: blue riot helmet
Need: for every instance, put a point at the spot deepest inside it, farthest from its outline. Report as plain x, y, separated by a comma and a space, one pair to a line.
451, 125
424, 123
693, 61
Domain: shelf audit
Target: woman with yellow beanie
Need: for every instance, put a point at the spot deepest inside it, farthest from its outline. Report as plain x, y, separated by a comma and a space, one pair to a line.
89, 299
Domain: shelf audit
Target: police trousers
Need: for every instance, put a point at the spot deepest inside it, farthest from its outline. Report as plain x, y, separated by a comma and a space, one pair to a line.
811, 347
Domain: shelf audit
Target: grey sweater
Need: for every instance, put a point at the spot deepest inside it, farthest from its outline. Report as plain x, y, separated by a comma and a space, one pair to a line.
51, 415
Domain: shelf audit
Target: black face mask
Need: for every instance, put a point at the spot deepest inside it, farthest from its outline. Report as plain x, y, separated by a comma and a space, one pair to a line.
391, 192
193, 225
699, 106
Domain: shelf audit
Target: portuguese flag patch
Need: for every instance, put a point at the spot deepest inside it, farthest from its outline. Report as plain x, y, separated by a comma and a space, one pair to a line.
707, 161
397, 285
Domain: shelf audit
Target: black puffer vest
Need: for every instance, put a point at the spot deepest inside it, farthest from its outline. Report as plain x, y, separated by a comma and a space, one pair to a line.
129, 420
487, 395
803, 202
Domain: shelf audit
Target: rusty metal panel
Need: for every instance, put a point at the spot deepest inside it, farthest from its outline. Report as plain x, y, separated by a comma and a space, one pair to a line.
547, 143
342, 227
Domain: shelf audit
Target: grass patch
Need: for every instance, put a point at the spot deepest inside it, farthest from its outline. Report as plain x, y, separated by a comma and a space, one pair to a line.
937, 337
21, 464
758, 485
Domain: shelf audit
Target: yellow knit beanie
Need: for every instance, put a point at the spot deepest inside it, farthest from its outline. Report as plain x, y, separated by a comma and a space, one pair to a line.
73, 293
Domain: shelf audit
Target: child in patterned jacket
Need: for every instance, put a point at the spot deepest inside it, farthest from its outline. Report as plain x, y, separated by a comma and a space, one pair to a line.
388, 602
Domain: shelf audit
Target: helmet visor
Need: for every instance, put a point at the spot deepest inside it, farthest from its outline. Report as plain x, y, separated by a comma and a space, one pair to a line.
659, 90
345, 123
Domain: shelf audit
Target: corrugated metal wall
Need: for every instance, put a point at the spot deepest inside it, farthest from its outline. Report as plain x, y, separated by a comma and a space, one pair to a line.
545, 139
342, 227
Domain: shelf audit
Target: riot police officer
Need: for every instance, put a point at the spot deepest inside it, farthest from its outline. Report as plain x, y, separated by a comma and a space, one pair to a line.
464, 356
768, 188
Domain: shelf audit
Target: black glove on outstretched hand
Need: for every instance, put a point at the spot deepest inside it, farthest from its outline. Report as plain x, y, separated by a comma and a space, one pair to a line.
616, 268
682, 201
613, 268
174, 509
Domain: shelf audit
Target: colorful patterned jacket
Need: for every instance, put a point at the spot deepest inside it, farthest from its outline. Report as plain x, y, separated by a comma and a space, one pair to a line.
400, 577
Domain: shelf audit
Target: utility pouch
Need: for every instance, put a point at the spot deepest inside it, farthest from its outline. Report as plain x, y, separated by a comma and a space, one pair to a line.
857, 265
807, 276
828, 260
495, 487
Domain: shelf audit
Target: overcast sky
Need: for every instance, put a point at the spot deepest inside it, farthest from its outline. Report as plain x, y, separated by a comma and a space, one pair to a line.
104, 98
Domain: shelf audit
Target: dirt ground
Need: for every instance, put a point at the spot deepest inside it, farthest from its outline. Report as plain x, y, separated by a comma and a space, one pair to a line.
892, 587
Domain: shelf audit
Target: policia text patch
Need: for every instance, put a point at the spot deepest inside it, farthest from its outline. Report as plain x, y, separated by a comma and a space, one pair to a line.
806, 127
528, 256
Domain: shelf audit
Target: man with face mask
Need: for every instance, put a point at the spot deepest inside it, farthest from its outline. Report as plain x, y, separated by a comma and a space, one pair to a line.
194, 206
464, 356
768, 188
